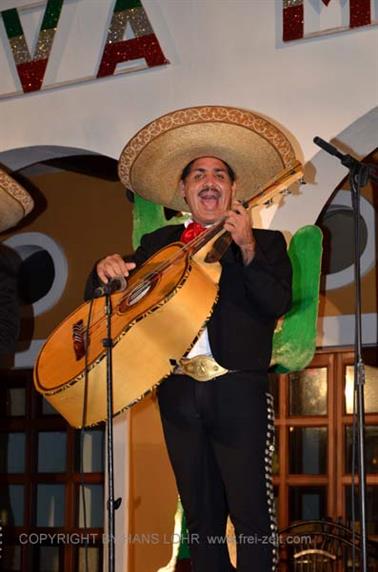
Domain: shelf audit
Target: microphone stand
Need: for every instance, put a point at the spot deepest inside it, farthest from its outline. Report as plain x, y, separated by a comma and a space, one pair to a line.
359, 174
112, 505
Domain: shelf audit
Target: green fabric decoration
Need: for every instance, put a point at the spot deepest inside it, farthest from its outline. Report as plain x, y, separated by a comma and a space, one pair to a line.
184, 551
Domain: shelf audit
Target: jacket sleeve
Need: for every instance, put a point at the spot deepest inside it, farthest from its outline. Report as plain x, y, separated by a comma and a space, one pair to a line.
268, 276
142, 253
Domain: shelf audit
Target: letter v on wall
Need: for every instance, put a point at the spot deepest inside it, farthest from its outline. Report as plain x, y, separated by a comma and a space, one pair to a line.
31, 68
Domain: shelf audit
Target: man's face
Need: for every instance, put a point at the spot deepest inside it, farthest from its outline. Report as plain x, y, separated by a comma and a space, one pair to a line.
208, 190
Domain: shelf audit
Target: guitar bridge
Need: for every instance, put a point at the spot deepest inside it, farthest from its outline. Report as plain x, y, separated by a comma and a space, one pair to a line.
78, 340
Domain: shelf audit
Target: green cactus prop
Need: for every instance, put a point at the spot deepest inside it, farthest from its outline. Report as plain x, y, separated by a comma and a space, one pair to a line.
294, 342
147, 217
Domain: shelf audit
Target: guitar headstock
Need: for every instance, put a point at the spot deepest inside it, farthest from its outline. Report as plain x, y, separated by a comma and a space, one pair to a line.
277, 187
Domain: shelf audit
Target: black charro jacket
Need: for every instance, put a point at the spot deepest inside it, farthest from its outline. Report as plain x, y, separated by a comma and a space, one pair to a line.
9, 302
251, 298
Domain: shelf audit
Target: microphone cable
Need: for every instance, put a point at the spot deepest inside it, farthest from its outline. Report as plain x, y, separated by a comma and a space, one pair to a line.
82, 434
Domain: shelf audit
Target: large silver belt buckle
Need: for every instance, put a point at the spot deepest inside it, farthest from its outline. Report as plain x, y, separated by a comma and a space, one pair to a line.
202, 368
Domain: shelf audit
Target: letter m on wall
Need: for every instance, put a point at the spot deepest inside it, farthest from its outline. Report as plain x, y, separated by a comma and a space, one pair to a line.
294, 16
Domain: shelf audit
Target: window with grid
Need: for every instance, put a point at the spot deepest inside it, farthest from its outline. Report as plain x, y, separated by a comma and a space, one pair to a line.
312, 467
41, 494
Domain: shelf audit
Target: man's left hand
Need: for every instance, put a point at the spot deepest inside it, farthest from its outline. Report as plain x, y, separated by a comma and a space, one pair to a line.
238, 224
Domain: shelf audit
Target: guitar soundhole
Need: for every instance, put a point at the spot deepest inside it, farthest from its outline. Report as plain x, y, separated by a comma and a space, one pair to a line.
139, 292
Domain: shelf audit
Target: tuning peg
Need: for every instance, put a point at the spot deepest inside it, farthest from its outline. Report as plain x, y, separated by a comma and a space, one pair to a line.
286, 192
302, 181
268, 203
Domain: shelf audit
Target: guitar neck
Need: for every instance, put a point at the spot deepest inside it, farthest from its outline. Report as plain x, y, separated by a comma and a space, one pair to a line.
276, 186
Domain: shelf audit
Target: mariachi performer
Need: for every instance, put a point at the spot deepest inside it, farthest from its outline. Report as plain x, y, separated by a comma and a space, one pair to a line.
216, 411
15, 203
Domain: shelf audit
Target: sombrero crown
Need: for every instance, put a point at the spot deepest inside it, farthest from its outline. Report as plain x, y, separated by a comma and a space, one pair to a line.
15, 202
151, 163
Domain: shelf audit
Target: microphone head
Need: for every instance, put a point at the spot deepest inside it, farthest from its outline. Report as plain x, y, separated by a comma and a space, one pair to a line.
121, 283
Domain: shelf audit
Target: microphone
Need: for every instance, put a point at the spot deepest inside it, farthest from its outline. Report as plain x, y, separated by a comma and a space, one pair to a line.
328, 147
363, 171
347, 160
116, 284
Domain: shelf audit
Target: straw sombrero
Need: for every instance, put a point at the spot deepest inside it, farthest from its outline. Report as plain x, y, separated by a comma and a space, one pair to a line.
15, 202
152, 161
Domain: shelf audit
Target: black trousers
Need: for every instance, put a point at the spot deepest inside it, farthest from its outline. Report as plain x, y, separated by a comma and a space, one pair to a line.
220, 440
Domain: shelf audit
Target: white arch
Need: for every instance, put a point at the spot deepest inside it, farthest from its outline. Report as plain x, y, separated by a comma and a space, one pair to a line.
21, 157
26, 243
323, 173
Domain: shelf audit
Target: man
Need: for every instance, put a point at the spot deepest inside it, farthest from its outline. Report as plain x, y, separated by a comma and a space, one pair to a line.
15, 203
219, 432
9, 307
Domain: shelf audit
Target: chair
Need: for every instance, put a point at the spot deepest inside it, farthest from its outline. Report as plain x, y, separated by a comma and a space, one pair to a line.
323, 546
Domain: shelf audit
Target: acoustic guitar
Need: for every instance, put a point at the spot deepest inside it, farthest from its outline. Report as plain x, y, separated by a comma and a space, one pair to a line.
154, 323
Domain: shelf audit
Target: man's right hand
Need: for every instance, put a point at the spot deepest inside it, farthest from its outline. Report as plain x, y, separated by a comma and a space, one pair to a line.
112, 266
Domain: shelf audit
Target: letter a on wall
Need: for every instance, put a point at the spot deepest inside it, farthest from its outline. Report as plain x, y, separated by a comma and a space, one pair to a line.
144, 44
31, 68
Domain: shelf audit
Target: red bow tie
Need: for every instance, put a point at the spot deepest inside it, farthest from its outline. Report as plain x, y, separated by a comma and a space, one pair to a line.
191, 231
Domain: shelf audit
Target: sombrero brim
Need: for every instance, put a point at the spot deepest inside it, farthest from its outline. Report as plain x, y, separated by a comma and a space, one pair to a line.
15, 202
152, 161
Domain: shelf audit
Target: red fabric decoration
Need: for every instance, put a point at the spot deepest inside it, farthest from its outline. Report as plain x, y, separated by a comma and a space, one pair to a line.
191, 231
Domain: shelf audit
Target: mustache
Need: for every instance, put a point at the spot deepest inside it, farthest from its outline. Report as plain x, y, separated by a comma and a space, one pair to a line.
211, 189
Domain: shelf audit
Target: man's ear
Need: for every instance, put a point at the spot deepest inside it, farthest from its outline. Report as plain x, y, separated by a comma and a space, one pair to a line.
182, 189
233, 190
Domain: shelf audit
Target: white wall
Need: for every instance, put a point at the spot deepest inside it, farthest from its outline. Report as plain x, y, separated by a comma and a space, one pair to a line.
221, 52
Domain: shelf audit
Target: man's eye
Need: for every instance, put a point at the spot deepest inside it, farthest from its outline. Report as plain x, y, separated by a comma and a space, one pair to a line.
198, 176
220, 175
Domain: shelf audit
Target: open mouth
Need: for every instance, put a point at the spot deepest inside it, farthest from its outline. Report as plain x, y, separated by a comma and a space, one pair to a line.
209, 197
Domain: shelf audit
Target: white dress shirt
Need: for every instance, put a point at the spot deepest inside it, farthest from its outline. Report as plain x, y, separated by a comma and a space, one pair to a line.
202, 345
